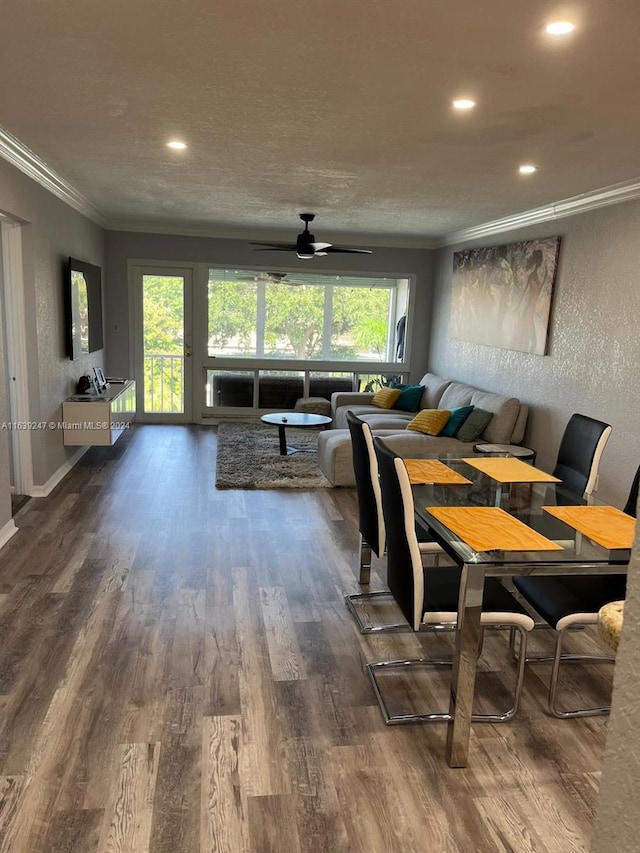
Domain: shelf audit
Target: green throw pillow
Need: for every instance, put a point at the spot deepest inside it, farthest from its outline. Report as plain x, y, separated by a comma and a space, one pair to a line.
474, 425
409, 399
458, 417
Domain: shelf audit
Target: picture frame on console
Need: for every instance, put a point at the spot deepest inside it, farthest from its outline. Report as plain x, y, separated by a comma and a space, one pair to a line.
99, 377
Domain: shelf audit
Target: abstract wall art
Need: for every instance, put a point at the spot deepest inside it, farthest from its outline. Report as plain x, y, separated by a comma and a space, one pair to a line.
501, 295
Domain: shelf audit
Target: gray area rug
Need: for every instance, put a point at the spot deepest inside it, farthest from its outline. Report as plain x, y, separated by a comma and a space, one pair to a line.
249, 458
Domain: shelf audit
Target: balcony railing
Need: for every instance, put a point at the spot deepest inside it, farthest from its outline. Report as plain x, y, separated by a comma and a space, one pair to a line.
164, 383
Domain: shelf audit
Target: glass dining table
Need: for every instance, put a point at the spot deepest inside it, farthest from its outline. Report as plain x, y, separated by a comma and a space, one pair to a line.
500, 522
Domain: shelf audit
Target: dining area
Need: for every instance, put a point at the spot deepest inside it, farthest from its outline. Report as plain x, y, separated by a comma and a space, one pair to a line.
479, 542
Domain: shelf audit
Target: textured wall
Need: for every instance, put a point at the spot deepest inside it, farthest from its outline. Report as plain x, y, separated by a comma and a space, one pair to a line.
617, 825
594, 349
52, 232
122, 246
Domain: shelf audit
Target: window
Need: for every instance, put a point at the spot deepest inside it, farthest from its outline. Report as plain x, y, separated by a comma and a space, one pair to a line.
303, 317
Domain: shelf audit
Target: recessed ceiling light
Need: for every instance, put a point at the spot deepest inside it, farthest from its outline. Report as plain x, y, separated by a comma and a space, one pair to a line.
177, 144
464, 104
527, 169
560, 28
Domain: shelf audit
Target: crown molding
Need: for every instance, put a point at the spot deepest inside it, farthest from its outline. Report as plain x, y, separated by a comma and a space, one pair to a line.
615, 194
12, 150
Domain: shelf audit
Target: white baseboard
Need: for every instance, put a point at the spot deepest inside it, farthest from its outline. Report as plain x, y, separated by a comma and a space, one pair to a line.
46, 489
7, 532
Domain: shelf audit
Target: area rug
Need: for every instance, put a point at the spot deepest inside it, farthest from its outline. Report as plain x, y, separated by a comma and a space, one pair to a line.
249, 458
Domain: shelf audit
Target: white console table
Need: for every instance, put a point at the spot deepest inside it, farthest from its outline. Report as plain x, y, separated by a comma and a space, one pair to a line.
99, 419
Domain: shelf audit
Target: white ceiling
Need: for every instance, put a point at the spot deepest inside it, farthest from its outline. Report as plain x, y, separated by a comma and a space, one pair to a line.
340, 107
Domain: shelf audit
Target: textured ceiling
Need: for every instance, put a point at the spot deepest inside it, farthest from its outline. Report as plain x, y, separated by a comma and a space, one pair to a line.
341, 107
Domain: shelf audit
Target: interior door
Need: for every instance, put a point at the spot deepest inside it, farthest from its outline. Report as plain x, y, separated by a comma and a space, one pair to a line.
163, 345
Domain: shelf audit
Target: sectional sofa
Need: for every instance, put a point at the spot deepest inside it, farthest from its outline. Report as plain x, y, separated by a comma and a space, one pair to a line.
507, 426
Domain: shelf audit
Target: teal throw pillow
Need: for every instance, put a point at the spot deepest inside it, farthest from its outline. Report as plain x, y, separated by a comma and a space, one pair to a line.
474, 425
458, 417
409, 399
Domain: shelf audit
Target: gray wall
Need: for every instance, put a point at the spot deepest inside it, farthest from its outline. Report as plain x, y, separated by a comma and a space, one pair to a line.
122, 246
52, 231
594, 349
617, 824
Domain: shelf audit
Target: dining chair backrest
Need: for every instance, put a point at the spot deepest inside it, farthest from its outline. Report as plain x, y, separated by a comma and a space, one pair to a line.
405, 574
365, 468
632, 501
581, 447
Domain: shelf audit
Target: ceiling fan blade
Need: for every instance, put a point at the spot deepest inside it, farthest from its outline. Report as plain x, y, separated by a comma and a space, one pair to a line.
341, 250
318, 247
287, 246
275, 249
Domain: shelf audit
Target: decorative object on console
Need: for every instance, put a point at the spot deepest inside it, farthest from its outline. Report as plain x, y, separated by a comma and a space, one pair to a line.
501, 295
83, 385
101, 382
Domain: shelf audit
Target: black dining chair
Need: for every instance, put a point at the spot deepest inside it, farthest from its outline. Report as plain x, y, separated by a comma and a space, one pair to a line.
581, 447
371, 524
428, 597
573, 601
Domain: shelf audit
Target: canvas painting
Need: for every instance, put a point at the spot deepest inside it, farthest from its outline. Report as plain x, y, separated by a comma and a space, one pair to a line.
501, 295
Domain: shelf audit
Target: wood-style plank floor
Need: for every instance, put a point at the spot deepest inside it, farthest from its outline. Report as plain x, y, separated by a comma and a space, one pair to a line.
178, 673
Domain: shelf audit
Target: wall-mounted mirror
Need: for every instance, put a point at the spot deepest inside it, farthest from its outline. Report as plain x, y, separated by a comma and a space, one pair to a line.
83, 297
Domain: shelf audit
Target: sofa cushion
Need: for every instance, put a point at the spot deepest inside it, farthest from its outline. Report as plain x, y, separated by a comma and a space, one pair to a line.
474, 425
429, 421
505, 411
456, 395
389, 420
458, 417
409, 399
386, 397
433, 390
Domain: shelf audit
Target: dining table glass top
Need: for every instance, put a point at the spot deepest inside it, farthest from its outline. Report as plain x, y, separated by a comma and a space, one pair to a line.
496, 523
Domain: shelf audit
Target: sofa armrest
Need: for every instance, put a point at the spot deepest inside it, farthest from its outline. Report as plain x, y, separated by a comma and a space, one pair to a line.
349, 398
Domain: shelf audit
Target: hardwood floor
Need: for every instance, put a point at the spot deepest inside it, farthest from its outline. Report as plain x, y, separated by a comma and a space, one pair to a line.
178, 672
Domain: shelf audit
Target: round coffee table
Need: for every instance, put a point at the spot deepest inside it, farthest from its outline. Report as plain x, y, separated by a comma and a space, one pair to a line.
293, 419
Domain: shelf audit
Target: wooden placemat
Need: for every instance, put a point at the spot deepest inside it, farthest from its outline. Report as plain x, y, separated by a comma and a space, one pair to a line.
510, 470
489, 528
606, 525
433, 471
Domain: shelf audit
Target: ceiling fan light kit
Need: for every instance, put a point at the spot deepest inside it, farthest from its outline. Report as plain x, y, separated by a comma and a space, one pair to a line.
306, 247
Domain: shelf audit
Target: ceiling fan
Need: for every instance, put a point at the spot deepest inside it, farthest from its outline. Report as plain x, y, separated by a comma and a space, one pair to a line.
306, 246
271, 278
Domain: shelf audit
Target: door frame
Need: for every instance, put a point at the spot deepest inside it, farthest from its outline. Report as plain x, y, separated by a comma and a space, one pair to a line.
136, 269
17, 365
